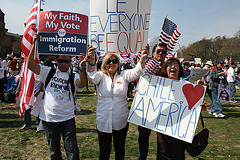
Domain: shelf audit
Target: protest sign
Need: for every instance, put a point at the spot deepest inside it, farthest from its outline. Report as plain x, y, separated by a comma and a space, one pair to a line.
152, 42
224, 92
198, 60
62, 33
197, 74
168, 106
119, 26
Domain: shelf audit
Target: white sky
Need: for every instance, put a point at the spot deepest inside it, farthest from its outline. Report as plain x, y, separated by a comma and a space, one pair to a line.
195, 19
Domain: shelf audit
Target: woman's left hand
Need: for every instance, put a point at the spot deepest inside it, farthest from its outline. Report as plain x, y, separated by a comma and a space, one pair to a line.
83, 60
205, 107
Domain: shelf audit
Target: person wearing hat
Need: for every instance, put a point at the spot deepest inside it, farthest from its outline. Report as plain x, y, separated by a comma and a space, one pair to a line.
231, 79
217, 76
206, 78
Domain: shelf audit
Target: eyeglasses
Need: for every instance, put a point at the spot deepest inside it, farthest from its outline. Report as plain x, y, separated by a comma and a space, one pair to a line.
114, 61
161, 50
174, 65
65, 61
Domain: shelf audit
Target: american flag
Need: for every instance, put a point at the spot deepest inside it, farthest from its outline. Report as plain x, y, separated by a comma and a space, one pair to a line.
169, 34
26, 94
152, 66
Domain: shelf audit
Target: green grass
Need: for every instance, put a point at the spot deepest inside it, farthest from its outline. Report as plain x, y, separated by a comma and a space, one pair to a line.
224, 138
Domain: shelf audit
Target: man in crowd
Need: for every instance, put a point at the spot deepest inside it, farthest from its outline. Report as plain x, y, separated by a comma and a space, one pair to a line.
217, 76
2, 69
13, 67
231, 79
186, 70
153, 67
206, 78
57, 113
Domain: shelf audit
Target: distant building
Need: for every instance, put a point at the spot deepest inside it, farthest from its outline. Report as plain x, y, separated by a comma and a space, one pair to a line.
12, 35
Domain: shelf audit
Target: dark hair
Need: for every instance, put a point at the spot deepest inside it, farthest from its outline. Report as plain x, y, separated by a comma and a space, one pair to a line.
57, 56
159, 44
169, 61
233, 63
186, 63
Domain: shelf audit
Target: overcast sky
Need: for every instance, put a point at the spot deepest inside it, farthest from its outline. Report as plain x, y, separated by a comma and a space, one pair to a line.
195, 19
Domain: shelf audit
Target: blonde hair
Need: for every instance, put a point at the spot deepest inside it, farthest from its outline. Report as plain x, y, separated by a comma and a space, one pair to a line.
104, 63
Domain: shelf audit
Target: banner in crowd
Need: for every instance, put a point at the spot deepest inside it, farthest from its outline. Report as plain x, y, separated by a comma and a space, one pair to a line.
119, 26
198, 60
171, 55
62, 33
167, 106
126, 58
224, 92
197, 74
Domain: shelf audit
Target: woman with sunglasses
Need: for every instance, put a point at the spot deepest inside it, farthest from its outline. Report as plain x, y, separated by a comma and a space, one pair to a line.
112, 110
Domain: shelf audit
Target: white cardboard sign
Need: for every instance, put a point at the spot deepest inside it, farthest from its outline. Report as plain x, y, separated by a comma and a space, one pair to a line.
119, 26
197, 74
168, 106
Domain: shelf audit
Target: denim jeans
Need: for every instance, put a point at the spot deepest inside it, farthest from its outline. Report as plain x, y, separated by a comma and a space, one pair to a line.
37, 121
27, 117
53, 131
216, 105
233, 91
143, 142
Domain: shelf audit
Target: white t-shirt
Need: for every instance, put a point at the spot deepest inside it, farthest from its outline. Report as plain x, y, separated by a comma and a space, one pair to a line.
58, 106
231, 75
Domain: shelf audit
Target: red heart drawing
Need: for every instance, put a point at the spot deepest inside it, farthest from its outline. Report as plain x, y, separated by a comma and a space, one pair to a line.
192, 94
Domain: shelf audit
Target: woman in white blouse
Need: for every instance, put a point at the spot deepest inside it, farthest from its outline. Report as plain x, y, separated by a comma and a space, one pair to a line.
112, 110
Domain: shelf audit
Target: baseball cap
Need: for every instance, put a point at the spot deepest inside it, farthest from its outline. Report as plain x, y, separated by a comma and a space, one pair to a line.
220, 61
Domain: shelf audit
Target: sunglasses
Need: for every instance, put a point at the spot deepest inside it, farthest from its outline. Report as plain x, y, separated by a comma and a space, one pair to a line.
65, 61
114, 61
161, 50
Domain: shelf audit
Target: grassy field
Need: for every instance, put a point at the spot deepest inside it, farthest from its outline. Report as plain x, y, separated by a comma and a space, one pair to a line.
224, 139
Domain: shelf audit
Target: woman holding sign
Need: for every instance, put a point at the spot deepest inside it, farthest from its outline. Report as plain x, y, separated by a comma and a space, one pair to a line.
112, 110
171, 148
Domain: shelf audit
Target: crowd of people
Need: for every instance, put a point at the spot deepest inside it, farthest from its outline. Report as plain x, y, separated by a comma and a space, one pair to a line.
58, 78
217, 74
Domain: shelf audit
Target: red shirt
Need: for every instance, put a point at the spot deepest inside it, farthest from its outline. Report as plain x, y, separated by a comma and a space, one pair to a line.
13, 65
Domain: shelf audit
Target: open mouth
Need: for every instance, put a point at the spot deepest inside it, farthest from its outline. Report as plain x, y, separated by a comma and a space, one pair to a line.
173, 71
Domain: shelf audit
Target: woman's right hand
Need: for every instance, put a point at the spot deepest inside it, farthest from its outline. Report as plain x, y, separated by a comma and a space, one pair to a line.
144, 55
35, 38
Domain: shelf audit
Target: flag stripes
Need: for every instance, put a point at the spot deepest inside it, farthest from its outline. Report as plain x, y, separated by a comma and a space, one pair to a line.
169, 34
152, 66
26, 94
